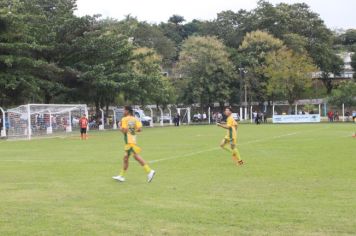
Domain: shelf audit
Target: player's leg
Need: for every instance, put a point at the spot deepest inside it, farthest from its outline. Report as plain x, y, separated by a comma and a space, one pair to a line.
81, 134
85, 137
223, 144
143, 163
125, 166
236, 154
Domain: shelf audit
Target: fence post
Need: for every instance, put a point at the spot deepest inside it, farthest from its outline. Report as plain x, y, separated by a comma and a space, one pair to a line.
114, 120
161, 120
50, 129
69, 126
343, 112
101, 127
296, 109
87, 115
251, 114
3, 131
151, 122
188, 115
29, 121
320, 109
209, 115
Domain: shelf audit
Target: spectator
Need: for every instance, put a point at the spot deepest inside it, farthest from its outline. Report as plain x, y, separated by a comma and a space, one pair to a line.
265, 117
254, 115
331, 116
257, 118
336, 116
354, 116
220, 117
347, 116
176, 120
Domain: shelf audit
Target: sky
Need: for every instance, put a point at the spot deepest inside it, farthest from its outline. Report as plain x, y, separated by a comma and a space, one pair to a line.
335, 13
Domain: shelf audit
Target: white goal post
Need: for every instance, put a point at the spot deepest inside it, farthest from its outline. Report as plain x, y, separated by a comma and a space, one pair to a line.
36, 120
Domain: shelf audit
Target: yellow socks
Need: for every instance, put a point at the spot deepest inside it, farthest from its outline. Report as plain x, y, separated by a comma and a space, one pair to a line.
226, 149
122, 172
236, 154
147, 168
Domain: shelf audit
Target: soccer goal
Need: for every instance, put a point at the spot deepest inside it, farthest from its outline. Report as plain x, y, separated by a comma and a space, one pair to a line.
36, 120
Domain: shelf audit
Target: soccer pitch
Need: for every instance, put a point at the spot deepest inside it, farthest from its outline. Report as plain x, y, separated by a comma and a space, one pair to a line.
297, 180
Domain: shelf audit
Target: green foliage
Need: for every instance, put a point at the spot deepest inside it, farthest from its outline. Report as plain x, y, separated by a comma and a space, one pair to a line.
254, 50
296, 24
205, 66
289, 74
146, 81
176, 19
47, 54
344, 94
348, 38
353, 63
152, 37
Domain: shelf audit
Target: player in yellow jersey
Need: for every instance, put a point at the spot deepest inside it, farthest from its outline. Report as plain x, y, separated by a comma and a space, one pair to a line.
129, 126
231, 136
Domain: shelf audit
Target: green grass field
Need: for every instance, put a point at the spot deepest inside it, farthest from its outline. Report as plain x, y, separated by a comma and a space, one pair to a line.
298, 180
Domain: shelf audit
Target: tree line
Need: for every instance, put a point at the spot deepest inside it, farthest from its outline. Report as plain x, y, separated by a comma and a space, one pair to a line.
50, 55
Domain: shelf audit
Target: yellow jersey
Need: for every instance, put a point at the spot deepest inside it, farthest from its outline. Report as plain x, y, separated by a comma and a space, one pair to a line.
132, 124
232, 125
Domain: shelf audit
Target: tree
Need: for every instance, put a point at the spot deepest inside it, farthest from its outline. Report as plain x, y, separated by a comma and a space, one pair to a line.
231, 27
295, 23
101, 59
151, 36
174, 29
329, 63
206, 71
176, 19
27, 69
349, 37
296, 42
254, 50
344, 94
146, 80
289, 73
353, 63
299, 19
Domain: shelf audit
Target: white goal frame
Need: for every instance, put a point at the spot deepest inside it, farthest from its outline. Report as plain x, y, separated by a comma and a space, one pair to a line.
27, 113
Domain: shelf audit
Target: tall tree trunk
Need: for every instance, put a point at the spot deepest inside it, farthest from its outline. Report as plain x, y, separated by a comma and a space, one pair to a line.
221, 105
97, 107
328, 83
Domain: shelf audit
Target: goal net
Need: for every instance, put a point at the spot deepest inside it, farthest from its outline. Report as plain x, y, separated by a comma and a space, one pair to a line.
36, 120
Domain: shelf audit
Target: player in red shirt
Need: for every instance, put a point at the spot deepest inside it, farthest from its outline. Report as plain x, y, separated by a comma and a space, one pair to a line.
83, 123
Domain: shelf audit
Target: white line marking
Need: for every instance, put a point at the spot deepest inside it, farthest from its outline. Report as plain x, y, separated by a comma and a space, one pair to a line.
217, 148
180, 156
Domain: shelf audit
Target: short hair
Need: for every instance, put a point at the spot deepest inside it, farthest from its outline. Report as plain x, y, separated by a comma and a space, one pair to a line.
129, 109
229, 108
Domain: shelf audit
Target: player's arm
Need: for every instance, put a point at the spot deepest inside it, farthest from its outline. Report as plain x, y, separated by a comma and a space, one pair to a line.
123, 127
223, 126
138, 126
